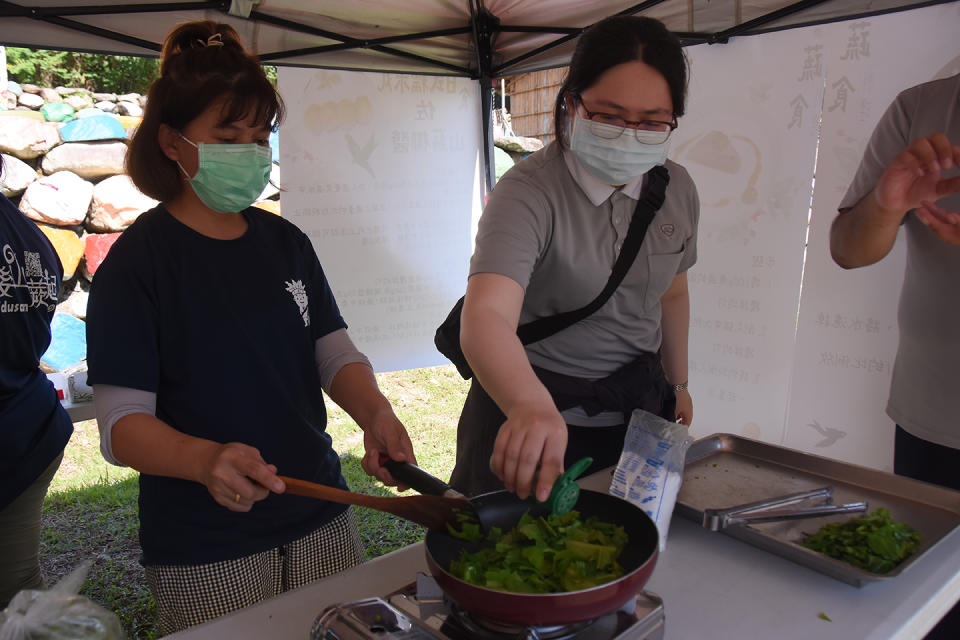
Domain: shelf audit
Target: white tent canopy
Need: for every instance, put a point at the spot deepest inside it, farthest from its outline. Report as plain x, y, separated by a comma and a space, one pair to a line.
482, 39
473, 38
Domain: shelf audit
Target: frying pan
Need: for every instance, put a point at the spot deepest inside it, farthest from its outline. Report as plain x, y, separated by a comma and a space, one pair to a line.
504, 509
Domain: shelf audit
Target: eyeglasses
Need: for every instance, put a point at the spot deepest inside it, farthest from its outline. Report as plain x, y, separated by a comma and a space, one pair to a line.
610, 127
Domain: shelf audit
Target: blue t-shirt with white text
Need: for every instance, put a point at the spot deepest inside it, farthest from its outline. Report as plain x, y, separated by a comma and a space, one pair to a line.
223, 332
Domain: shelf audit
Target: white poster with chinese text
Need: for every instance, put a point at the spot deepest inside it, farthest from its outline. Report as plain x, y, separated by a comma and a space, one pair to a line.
749, 140
382, 172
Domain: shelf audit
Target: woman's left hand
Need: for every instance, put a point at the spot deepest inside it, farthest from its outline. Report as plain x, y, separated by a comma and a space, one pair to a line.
684, 407
385, 437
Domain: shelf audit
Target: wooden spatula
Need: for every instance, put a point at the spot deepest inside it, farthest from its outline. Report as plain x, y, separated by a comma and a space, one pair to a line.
432, 512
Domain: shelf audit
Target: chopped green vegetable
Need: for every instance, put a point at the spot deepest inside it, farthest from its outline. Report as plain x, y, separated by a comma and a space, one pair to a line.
874, 543
824, 616
543, 555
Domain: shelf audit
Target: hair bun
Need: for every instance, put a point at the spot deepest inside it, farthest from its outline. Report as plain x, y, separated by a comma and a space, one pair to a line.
200, 36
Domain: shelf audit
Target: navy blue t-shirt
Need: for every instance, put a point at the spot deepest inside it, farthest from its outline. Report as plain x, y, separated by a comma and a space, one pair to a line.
223, 332
34, 427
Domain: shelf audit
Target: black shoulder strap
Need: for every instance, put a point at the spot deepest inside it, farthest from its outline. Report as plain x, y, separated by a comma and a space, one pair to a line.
650, 201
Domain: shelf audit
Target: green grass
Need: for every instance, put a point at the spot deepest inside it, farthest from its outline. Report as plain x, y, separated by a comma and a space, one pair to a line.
91, 508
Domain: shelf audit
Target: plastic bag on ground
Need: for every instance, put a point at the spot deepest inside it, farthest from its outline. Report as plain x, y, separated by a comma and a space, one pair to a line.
650, 469
59, 613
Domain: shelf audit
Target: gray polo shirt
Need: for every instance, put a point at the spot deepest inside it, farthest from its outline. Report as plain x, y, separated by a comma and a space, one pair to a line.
557, 230
924, 399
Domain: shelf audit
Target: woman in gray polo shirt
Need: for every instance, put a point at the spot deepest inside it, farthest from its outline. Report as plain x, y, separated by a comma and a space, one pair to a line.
547, 242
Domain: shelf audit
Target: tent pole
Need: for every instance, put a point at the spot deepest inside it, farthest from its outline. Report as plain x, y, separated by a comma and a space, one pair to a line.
486, 109
485, 28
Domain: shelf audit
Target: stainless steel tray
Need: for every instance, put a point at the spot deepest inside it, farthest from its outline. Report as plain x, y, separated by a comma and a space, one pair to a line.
725, 470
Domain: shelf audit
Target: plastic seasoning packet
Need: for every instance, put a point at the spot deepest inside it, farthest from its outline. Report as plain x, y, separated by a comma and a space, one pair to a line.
59, 613
650, 469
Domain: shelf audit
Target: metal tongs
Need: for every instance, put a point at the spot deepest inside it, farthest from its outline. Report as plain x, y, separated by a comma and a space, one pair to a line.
767, 511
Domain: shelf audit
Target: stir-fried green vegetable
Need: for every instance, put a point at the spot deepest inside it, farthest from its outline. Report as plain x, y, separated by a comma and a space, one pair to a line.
543, 555
875, 543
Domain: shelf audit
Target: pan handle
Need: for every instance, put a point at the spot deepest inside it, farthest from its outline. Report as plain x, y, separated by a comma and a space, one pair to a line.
414, 476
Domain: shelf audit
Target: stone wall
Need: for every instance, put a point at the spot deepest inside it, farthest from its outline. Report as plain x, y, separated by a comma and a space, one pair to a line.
63, 153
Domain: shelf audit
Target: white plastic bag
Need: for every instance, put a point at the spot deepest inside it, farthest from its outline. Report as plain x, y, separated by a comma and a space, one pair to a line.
651, 467
59, 613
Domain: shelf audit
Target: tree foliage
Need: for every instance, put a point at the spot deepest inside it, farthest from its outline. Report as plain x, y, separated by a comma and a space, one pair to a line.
96, 72
93, 71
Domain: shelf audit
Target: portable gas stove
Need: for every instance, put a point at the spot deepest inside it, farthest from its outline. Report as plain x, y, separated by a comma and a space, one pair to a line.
419, 611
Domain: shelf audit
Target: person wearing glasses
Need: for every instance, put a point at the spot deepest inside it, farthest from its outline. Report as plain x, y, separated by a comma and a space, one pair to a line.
212, 333
547, 242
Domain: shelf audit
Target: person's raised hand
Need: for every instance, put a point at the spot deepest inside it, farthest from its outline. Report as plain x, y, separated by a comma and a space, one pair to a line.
915, 175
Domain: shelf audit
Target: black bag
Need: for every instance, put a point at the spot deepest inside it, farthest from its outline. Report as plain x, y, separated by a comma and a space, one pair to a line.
447, 338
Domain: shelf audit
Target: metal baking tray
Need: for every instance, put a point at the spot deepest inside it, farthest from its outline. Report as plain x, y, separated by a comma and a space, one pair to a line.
725, 470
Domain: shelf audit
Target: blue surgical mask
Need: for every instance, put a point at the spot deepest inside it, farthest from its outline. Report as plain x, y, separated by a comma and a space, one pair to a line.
616, 161
230, 177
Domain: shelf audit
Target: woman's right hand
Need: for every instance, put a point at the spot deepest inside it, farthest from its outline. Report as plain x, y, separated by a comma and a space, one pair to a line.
531, 438
237, 476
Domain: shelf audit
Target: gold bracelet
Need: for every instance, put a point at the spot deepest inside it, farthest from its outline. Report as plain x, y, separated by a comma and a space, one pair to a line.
680, 387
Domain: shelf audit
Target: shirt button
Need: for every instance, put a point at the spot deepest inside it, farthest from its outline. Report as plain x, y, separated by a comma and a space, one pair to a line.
619, 246
617, 220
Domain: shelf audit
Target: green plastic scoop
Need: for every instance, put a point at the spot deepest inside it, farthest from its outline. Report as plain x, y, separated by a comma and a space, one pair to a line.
565, 491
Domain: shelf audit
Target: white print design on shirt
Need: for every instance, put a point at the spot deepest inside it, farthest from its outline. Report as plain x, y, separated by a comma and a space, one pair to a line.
40, 283
299, 293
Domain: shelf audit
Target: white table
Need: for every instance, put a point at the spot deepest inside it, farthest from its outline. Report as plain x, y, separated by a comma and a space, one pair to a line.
713, 586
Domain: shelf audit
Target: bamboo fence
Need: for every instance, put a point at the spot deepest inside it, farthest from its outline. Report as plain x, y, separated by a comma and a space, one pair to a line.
532, 97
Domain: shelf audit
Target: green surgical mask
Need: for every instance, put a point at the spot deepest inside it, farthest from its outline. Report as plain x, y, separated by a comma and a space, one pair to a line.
229, 177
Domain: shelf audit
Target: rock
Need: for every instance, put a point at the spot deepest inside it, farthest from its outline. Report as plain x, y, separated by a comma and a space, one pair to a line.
30, 100
17, 176
27, 138
89, 111
61, 199
76, 301
90, 160
14, 87
58, 112
68, 245
518, 144
29, 88
66, 91
96, 247
68, 342
95, 127
49, 95
8, 100
104, 97
128, 97
116, 204
125, 108
105, 106
78, 102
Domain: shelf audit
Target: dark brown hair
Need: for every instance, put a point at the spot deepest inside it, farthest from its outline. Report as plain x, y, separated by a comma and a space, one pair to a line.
196, 71
616, 40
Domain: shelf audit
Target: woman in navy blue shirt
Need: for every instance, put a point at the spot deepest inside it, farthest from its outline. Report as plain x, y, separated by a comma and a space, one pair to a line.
211, 333
34, 427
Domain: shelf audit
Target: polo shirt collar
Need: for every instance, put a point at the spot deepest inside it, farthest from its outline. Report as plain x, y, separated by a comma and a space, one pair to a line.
596, 190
